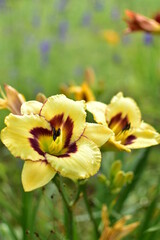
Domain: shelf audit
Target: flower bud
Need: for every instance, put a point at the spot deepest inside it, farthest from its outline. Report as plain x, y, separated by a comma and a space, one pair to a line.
119, 180
129, 177
115, 168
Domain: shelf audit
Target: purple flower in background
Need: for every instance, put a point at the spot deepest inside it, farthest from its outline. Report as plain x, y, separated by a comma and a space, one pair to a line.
86, 19
63, 29
115, 14
148, 39
62, 5
99, 5
2, 4
45, 48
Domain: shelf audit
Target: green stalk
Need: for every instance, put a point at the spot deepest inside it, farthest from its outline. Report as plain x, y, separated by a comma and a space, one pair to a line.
68, 214
88, 207
26, 211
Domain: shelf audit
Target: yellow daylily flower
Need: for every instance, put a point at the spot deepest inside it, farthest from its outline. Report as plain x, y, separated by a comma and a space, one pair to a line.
110, 36
123, 117
119, 230
53, 137
12, 100
84, 91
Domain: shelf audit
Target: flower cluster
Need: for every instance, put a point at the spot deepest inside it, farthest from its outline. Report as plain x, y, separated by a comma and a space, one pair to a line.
52, 136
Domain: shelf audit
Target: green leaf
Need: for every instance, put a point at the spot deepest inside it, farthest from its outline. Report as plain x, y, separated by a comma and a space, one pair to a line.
153, 229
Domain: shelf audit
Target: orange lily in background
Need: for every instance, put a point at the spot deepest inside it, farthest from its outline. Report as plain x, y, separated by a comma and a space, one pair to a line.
82, 92
138, 22
119, 230
12, 100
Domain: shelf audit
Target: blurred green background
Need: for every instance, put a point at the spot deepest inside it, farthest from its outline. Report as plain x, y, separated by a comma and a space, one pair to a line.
44, 44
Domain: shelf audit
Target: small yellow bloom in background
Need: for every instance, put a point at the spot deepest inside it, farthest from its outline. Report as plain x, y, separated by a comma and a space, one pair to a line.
12, 100
40, 97
54, 137
123, 117
119, 230
110, 36
138, 22
84, 91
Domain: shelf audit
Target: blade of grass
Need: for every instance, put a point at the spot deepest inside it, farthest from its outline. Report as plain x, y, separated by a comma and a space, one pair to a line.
7, 206
148, 218
34, 213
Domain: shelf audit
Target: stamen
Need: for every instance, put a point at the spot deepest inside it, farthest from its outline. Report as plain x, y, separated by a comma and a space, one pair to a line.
56, 133
127, 127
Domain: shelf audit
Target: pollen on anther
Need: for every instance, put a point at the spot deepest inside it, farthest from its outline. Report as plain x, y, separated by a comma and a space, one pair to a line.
56, 133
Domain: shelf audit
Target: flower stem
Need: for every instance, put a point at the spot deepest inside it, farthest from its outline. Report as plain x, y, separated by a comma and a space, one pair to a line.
26, 212
88, 207
68, 214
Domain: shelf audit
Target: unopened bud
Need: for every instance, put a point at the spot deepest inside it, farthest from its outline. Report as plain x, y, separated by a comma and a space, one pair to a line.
115, 168
89, 76
119, 180
103, 179
41, 97
129, 177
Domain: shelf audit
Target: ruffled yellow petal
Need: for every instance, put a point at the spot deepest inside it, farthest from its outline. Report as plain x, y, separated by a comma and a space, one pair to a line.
145, 136
98, 133
127, 107
31, 107
60, 105
82, 164
17, 133
36, 174
147, 126
98, 110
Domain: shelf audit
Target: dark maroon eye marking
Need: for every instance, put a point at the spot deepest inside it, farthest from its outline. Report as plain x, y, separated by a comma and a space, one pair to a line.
58, 124
37, 132
57, 121
68, 128
71, 149
115, 119
35, 145
123, 122
129, 140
